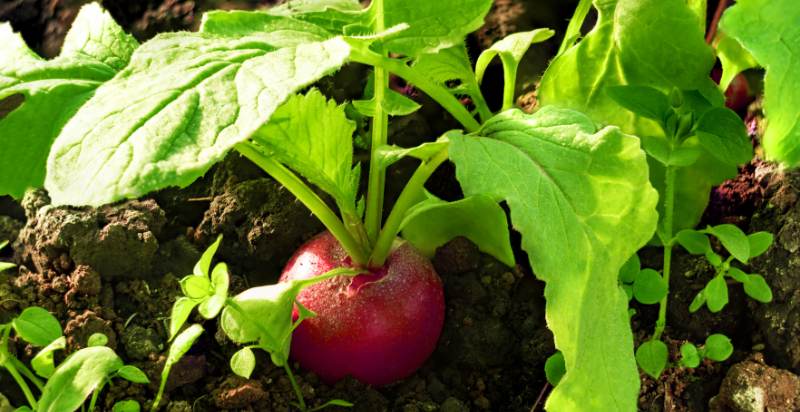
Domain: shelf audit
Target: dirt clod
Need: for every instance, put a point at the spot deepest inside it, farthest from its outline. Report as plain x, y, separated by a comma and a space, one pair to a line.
81, 327
237, 393
753, 386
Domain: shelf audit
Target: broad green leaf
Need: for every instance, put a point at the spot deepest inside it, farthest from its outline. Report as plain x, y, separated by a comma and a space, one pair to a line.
203, 266
434, 222
652, 357
690, 358
757, 288
196, 287
333, 15
313, 136
133, 374
582, 201
718, 347
279, 31
631, 268
628, 46
721, 131
262, 314
78, 376
451, 68
734, 58
37, 326
43, 363
128, 405
554, 368
181, 104
733, 239
511, 50
181, 310
716, 294
759, 243
644, 101
182, 343
243, 362
50, 91
649, 287
394, 104
768, 30
694, 242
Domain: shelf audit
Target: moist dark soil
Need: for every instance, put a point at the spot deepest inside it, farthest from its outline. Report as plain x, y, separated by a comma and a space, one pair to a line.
115, 269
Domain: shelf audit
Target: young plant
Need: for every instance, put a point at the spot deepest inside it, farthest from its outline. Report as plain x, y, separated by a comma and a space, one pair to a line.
259, 317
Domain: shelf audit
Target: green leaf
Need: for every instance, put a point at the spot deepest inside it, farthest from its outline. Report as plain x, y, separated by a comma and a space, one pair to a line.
97, 339
716, 294
220, 279
181, 104
313, 136
434, 222
196, 287
94, 49
37, 326
389, 154
721, 131
628, 46
554, 368
631, 268
182, 343
333, 402
737, 274
581, 199
6, 266
734, 58
203, 266
511, 49
128, 405
78, 376
718, 347
733, 239
690, 358
209, 308
694, 242
698, 301
333, 15
133, 374
181, 310
43, 363
243, 362
652, 357
451, 68
759, 243
644, 101
757, 288
768, 30
649, 287
278, 31
394, 104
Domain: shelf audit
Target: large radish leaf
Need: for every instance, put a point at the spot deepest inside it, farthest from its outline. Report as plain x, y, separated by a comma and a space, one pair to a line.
770, 31
656, 43
43, 94
582, 201
184, 100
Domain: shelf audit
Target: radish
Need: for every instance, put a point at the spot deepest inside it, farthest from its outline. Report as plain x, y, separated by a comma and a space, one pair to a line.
378, 327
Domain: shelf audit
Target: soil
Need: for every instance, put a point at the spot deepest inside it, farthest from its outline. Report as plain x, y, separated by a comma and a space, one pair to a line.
114, 269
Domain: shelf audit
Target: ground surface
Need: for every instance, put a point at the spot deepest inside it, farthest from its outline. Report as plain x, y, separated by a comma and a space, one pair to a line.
114, 269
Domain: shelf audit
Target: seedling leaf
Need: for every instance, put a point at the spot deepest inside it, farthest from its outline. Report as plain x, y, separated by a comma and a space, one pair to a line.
133, 374
37, 326
759, 243
97, 339
690, 358
243, 362
150, 127
645, 101
694, 242
196, 287
394, 104
734, 58
698, 301
202, 267
183, 342
734, 240
631, 268
716, 294
649, 287
721, 131
433, 222
511, 50
757, 288
181, 310
554, 368
128, 405
718, 347
766, 29
581, 199
77, 377
43, 363
652, 357
94, 50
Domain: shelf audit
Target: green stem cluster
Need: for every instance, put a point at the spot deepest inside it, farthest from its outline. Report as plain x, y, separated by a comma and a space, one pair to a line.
17, 369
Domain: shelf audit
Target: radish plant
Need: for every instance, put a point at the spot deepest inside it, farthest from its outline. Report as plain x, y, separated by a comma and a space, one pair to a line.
126, 119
